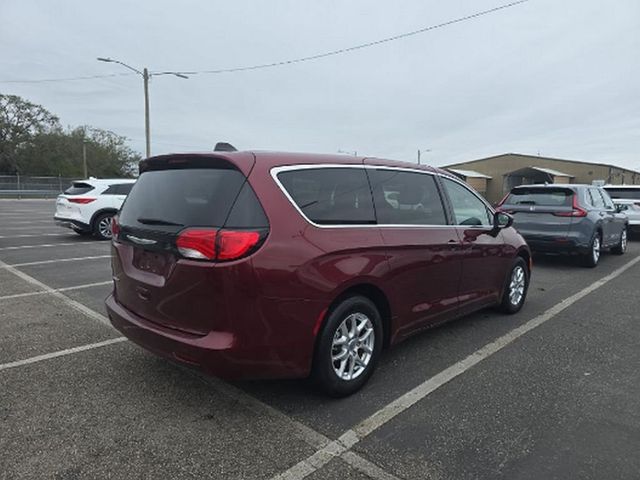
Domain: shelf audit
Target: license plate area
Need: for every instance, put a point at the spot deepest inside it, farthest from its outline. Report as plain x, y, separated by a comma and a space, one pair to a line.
158, 263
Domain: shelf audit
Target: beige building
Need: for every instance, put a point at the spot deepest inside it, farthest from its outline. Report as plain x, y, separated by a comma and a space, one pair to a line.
495, 176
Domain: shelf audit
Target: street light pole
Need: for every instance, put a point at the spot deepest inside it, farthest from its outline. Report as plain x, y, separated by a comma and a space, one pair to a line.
419, 154
145, 77
147, 128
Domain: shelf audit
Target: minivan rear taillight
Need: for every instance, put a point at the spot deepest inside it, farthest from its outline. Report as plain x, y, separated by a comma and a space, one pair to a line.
212, 244
115, 227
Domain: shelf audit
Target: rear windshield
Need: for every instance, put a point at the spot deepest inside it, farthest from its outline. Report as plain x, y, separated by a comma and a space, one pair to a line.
177, 198
78, 188
631, 193
549, 197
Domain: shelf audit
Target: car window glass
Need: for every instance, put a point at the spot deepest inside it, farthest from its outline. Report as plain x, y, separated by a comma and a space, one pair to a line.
112, 190
608, 203
545, 196
331, 196
406, 198
596, 199
78, 188
468, 209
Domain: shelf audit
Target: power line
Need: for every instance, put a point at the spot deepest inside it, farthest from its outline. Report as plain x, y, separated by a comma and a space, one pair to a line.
67, 79
356, 47
296, 60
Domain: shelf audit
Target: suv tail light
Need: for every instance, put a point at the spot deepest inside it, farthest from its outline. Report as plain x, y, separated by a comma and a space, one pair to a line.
115, 227
81, 201
212, 244
576, 210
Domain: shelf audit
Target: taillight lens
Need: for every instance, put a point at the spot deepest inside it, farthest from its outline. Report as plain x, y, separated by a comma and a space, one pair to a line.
235, 244
210, 244
199, 244
576, 210
115, 227
81, 201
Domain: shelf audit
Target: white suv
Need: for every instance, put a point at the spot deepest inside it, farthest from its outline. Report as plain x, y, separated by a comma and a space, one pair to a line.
88, 206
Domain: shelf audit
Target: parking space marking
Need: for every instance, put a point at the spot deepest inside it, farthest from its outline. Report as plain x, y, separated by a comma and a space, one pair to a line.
48, 292
56, 260
29, 235
46, 245
60, 353
69, 301
354, 435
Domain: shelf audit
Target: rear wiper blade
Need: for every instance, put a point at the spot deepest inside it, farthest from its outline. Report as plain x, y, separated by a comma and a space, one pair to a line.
157, 221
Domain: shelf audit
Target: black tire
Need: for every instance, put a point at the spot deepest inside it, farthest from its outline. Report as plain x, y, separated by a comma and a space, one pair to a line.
98, 226
621, 247
591, 258
516, 286
324, 372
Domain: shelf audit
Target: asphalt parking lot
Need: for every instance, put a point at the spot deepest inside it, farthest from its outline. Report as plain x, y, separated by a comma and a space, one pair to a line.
552, 392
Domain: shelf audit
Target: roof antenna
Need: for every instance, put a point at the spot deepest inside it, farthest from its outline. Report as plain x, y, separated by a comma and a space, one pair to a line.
224, 147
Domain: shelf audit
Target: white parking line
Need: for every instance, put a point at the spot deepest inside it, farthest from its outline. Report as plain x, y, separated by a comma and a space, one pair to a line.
28, 235
354, 435
46, 245
48, 292
60, 353
58, 260
69, 301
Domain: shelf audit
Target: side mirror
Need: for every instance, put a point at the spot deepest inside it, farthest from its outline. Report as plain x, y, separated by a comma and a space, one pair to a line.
502, 220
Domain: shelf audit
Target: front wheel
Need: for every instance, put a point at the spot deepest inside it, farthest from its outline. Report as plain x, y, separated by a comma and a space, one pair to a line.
621, 247
348, 347
102, 226
516, 287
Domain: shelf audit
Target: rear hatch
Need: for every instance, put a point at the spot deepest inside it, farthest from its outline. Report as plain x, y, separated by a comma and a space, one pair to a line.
542, 213
79, 193
182, 234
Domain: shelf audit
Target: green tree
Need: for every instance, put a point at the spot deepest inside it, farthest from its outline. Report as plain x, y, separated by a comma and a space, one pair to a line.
20, 121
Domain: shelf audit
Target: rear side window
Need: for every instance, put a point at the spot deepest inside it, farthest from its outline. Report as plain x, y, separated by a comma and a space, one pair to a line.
331, 196
118, 189
78, 188
406, 198
177, 198
595, 198
548, 197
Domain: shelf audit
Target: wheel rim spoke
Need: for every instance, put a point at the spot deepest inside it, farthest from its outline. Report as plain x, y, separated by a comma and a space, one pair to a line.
352, 346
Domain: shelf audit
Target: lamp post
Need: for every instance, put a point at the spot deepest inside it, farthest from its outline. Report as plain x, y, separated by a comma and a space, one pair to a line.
145, 76
420, 153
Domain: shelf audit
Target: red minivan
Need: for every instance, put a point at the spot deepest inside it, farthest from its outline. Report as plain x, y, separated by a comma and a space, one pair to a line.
254, 264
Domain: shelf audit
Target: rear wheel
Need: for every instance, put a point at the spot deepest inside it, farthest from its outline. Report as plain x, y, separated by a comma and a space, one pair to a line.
621, 247
592, 257
516, 287
102, 226
348, 347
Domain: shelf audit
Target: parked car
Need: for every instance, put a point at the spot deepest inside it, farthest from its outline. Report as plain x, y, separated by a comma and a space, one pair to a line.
284, 265
88, 206
631, 209
568, 219
628, 192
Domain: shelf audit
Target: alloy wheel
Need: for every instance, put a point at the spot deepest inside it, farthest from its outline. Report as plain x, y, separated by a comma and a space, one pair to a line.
352, 346
623, 240
104, 227
517, 285
595, 252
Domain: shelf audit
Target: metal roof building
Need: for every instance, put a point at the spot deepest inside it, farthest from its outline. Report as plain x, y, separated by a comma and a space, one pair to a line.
495, 176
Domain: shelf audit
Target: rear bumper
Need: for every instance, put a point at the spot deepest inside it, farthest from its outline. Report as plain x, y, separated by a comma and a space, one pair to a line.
218, 353
569, 244
71, 223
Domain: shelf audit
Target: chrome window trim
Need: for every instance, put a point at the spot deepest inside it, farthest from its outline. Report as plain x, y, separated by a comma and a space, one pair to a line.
316, 166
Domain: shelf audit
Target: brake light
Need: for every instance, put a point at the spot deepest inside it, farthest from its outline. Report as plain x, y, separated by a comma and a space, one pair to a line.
210, 244
115, 227
235, 244
576, 210
199, 244
81, 201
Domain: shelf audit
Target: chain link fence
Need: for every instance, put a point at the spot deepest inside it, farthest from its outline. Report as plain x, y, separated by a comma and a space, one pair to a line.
27, 186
